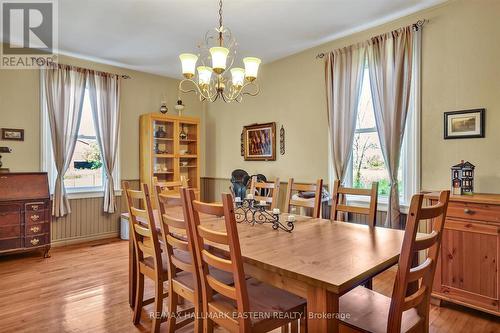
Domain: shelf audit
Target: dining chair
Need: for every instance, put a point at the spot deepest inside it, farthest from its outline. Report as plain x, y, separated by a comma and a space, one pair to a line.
148, 253
183, 278
294, 188
339, 202
264, 191
172, 187
232, 306
372, 312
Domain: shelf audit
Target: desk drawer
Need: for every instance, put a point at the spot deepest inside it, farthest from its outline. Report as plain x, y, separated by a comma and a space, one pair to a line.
10, 216
10, 231
10, 244
474, 211
37, 229
32, 217
38, 240
35, 206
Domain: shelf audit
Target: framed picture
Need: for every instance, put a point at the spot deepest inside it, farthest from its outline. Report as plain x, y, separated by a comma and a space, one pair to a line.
12, 134
260, 142
464, 124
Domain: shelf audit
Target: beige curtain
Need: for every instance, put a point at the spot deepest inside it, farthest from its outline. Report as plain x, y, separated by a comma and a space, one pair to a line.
390, 58
64, 89
104, 92
343, 77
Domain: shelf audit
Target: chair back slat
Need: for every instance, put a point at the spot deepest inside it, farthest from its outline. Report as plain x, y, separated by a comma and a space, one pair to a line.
145, 232
221, 287
339, 202
424, 273
142, 226
213, 236
208, 208
315, 204
426, 242
233, 263
271, 191
353, 209
416, 273
217, 262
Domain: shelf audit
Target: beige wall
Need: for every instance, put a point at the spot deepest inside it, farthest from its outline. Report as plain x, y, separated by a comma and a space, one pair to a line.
461, 70
20, 108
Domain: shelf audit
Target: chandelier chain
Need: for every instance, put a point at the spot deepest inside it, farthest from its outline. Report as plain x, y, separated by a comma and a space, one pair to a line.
220, 13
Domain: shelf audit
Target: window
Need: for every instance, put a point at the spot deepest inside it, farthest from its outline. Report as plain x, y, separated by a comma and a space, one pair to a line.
367, 162
85, 170
85, 175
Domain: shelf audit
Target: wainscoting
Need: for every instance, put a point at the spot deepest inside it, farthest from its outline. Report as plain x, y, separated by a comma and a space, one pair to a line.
88, 221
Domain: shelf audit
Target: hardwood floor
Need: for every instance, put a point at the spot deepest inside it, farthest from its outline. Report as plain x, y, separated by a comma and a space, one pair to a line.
83, 288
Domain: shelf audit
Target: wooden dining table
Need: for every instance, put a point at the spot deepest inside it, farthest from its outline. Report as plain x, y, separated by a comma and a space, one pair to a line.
320, 260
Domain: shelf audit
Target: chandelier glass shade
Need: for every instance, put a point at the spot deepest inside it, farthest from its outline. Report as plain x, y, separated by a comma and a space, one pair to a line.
210, 73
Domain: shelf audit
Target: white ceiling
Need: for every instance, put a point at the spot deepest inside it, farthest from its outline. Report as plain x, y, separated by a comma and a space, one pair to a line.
148, 35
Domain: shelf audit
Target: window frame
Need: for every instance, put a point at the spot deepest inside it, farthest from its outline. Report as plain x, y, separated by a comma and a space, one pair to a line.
47, 163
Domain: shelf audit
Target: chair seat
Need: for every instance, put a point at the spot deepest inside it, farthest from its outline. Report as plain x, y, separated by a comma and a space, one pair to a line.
266, 301
186, 278
369, 311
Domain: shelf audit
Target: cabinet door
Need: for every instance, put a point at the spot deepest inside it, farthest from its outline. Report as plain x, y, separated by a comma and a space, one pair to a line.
469, 263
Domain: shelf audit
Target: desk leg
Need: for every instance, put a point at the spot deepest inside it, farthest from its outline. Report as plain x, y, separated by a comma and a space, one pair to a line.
132, 280
322, 308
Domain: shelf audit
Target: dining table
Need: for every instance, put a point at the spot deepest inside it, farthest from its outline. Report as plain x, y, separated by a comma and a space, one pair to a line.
319, 260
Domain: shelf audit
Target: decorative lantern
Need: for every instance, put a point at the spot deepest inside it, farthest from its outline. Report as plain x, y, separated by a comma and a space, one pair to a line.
462, 178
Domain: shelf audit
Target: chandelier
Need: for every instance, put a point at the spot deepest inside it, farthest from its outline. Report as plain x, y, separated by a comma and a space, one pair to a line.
211, 79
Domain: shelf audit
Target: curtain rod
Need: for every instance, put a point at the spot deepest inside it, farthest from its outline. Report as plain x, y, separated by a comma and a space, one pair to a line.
123, 76
417, 25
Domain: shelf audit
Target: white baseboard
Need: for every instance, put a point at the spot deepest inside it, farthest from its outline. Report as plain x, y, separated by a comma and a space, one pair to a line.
84, 239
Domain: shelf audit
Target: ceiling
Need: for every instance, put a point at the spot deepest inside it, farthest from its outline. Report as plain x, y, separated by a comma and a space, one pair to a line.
148, 35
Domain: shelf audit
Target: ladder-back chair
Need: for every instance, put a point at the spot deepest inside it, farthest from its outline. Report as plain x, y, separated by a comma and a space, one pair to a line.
373, 312
293, 188
271, 191
339, 202
225, 304
148, 253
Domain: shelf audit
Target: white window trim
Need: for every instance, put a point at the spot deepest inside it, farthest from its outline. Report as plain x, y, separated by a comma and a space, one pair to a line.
411, 148
47, 160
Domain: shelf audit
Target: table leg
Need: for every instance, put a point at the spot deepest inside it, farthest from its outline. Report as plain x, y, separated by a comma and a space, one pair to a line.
131, 273
322, 308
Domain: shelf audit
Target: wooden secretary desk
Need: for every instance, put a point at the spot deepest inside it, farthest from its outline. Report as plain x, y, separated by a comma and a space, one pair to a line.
468, 267
25, 212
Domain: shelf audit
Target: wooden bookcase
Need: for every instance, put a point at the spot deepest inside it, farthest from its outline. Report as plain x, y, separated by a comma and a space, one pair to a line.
167, 156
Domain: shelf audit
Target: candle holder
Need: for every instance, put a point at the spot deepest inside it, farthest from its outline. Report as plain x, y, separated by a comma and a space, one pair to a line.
252, 212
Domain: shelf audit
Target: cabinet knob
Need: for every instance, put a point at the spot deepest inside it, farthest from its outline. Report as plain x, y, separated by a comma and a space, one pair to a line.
35, 208
468, 211
35, 217
35, 229
35, 241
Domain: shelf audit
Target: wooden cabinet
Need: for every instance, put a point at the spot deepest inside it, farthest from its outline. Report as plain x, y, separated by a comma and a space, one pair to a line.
468, 267
24, 212
170, 149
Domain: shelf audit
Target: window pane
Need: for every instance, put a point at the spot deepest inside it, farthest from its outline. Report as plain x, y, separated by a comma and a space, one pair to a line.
85, 169
366, 116
368, 163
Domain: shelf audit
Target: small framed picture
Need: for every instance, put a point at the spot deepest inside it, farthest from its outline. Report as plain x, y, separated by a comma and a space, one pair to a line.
465, 124
260, 142
12, 134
